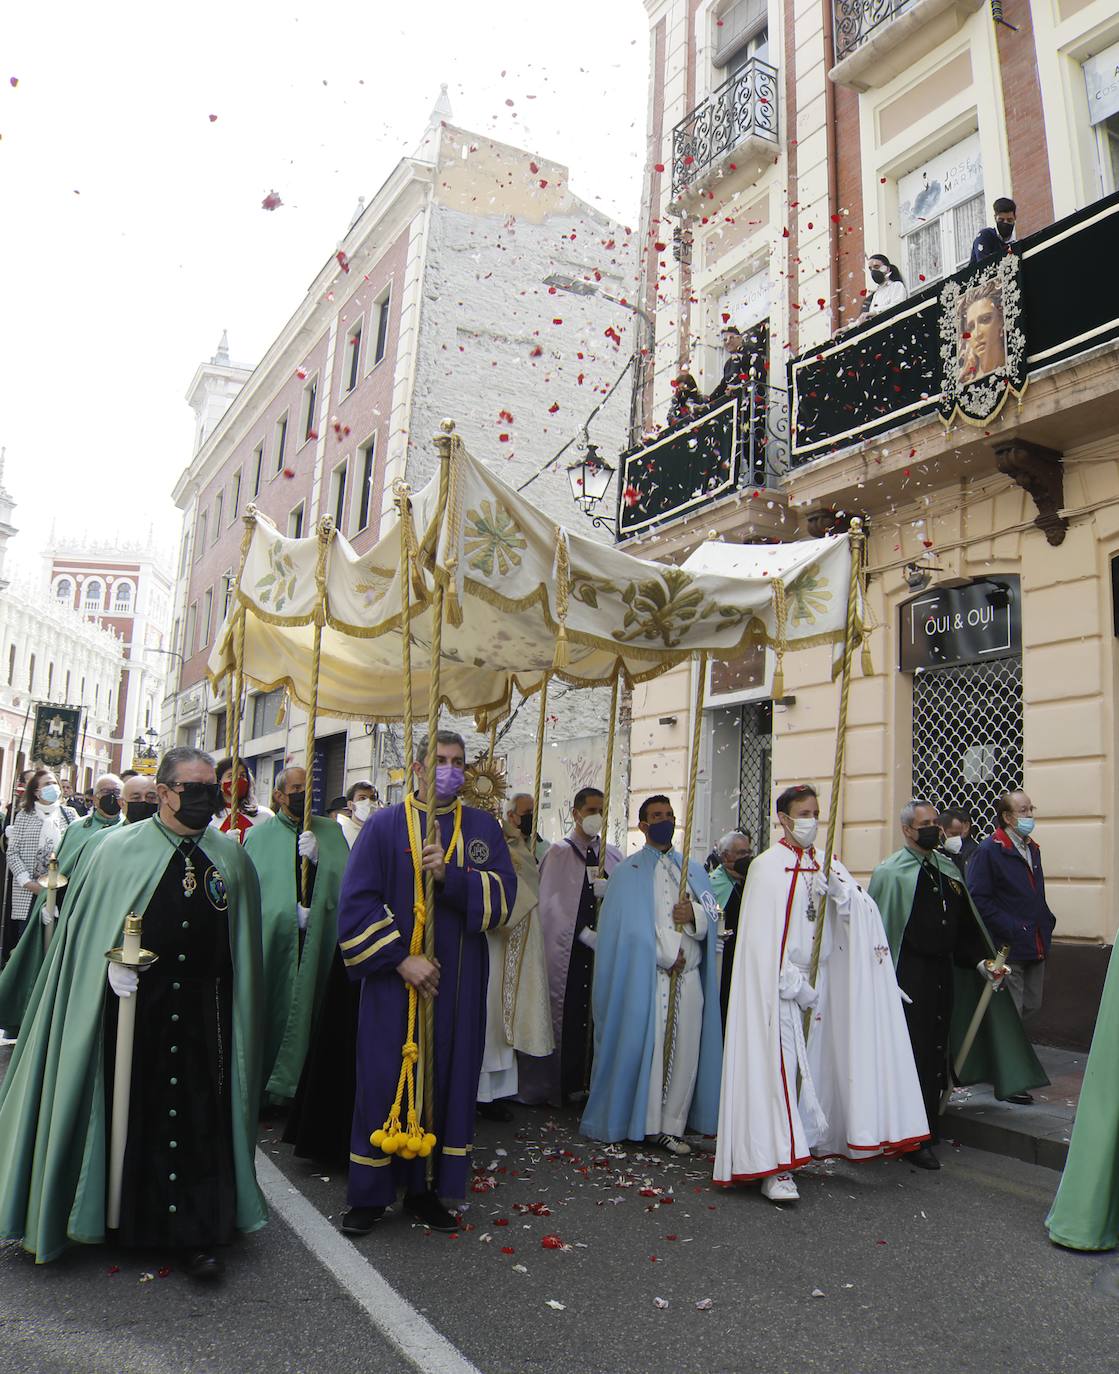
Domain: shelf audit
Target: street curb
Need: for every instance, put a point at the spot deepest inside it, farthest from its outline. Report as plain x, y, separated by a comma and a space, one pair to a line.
979, 1134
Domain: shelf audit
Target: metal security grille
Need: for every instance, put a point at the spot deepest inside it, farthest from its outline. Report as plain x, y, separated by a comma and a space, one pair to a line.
967, 736
755, 768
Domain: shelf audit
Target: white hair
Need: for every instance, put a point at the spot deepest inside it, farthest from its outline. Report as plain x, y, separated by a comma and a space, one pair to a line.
723, 845
909, 810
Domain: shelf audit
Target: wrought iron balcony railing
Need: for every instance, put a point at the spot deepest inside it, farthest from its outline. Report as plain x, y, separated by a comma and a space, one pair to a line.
856, 20
743, 107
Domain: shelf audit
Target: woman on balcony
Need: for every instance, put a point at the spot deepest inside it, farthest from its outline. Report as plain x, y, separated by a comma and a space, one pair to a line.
888, 288
687, 400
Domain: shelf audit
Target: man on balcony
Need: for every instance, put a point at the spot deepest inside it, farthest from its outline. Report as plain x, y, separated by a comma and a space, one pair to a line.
992, 243
736, 369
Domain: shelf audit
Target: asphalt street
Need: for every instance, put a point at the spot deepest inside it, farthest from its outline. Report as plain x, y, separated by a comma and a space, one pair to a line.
576, 1258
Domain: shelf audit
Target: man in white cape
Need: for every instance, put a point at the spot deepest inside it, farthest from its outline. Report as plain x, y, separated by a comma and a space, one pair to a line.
859, 1094
518, 1011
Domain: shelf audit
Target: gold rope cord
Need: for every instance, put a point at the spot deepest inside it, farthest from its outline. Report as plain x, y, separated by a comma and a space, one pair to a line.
685, 851
608, 779
401, 493
540, 720
235, 683
325, 535
852, 637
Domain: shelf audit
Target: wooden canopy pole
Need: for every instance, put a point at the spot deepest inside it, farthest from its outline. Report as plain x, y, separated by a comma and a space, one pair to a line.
325, 535
608, 779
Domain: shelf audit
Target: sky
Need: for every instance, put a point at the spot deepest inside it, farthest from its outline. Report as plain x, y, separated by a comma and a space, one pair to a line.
136, 145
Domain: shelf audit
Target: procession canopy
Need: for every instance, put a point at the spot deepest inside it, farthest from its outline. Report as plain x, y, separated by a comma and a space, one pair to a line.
525, 598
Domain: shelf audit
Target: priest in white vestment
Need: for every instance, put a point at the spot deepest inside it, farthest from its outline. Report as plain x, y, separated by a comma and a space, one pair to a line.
859, 1095
657, 1032
518, 1009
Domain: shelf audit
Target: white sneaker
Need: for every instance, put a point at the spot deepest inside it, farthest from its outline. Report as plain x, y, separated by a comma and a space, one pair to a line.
674, 1145
780, 1188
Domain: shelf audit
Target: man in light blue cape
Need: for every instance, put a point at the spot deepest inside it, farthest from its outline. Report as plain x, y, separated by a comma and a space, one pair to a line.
658, 1039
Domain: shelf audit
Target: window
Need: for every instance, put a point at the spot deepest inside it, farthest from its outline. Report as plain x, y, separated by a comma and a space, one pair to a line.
96, 696
338, 495
175, 635
188, 641
94, 597
31, 673
122, 598
353, 357
219, 502
365, 495
381, 310
741, 32
940, 210
310, 400
184, 555
258, 468
295, 523
83, 691
50, 680
265, 710
281, 442
207, 615
200, 537
64, 592
66, 694
234, 496
12, 666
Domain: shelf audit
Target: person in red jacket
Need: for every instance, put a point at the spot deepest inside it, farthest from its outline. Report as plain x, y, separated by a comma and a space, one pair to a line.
1007, 884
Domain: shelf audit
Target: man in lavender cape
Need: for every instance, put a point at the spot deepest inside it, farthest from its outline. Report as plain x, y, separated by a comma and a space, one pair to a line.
475, 889
568, 905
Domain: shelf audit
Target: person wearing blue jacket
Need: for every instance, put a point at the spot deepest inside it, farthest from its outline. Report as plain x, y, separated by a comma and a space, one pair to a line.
1007, 884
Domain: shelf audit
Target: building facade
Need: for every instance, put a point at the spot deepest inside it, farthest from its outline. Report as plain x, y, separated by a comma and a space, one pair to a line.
476, 285
787, 142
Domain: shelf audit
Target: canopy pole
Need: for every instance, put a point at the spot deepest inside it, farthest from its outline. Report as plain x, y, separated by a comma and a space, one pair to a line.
235, 683
685, 851
608, 779
492, 750
541, 719
401, 493
325, 535
851, 635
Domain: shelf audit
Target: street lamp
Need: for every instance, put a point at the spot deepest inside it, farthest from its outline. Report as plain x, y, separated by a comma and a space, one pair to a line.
590, 479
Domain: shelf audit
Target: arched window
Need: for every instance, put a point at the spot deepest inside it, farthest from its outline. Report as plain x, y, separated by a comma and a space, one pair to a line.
50, 679
31, 673
12, 666
122, 598
94, 596
64, 591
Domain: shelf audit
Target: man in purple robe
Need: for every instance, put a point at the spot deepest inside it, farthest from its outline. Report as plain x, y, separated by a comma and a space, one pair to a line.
568, 907
475, 889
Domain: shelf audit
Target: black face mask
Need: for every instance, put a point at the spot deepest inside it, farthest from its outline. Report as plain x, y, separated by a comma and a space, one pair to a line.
739, 867
109, 806
296, 803
139, 811
525, 824
928, 836
877, 275
198, 803
1005, 230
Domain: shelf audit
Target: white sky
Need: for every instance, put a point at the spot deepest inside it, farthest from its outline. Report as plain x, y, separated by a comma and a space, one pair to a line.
131, 231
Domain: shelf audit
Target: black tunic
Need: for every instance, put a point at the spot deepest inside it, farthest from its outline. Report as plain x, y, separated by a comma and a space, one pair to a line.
178, 1165
321, 1117
577, 1044
940, 933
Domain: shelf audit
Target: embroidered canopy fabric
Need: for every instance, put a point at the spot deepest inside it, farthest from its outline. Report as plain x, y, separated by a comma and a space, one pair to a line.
517, 585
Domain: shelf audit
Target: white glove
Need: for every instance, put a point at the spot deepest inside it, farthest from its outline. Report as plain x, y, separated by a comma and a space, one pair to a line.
793, 986
996, 978
303, 914
308, 846
598, 886
47, 916
123, 981
588, 937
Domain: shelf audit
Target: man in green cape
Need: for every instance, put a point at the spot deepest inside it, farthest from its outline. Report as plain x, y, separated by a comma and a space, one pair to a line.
299, 938
1085, 1212
22, 969
937, 942
189, 1177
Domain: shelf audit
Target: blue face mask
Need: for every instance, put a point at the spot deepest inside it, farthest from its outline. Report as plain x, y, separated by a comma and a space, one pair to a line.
50, 794
661, 832
1024, 825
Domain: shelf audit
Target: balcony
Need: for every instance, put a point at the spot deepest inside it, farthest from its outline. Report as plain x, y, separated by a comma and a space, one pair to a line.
877, 39
739, 446
740, 119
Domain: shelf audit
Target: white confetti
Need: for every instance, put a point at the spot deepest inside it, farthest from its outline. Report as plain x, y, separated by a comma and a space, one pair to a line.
555, 1306
660, 1302
817, 1292
705, 1305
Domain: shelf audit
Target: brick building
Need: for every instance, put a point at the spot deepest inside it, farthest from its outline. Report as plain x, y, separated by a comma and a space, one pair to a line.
475, 284
787, 141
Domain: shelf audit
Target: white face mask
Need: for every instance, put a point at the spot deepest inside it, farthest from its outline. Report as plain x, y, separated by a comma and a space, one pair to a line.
804, 831
592, 825
362, 809
953, 844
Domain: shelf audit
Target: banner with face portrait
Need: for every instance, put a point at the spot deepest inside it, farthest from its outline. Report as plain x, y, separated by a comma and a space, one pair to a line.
982, 341
55, 739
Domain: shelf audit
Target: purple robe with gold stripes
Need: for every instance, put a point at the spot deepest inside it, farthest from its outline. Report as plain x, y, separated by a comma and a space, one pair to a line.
374, 932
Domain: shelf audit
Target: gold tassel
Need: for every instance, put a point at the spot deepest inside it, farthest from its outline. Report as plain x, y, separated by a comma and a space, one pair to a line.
559, 658
563, 592
868, 662
452, 606
281, 714
778, 681
780, 617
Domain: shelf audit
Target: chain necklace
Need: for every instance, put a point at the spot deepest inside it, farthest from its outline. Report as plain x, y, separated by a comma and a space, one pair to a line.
806, 874
190, 879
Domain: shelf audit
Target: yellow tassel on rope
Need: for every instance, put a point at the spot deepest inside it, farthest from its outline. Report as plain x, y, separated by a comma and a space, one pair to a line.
559, 658
867, 661
452, 606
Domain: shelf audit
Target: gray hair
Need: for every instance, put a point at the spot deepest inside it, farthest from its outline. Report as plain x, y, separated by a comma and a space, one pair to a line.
419, 751
909, 810
282, 776
723, 846
181, 754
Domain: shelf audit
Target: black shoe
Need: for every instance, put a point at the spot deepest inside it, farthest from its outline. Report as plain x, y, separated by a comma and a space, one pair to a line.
204, 1266
1020, 1099
427, 1208
494, 1111
359, 1221
924, 1158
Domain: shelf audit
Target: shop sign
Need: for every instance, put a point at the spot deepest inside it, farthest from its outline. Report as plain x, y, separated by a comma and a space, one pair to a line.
968, 624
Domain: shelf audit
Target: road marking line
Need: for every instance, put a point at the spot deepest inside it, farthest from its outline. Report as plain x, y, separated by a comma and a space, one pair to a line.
412, 1334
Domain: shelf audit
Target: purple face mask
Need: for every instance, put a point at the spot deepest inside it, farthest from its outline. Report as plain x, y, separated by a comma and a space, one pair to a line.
449, 780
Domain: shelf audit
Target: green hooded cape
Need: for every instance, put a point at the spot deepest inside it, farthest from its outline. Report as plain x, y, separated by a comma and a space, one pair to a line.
53, 1123
1001, 1054
22, 969
1085, 1214
294, 981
